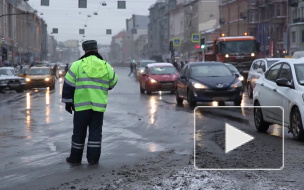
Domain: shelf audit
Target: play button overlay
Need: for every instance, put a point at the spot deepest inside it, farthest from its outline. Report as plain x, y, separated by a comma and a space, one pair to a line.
235, 138
226, 138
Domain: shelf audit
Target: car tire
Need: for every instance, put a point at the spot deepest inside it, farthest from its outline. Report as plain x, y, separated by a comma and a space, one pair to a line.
141, 89
191, 102
249, 90
259, 122
221, 103
20, 90
237, 102
179, 100
296, 124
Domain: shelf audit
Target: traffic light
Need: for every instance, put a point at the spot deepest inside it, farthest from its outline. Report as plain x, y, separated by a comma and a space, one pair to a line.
4, 54
203, 43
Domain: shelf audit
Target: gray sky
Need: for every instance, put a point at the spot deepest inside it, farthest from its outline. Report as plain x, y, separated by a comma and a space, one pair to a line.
68, 18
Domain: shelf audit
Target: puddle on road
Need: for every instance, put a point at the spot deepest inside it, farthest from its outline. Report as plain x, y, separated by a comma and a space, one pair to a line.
152, 147
153, 109
52, 146
276, 130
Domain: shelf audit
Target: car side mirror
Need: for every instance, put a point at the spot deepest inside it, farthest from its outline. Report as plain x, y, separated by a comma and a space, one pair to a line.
260, 70
284, 83
237, 75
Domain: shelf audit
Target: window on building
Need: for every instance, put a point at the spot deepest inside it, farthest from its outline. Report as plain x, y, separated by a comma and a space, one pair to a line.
278, 9
252, 1
302, 36
293, 36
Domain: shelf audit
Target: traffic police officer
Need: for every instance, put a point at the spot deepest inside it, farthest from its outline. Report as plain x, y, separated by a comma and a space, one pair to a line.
85, 91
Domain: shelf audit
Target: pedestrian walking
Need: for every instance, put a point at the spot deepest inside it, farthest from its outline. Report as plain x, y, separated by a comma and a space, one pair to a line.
55, 70
66, 69
175, 65
182, 65
85, 91
131, 69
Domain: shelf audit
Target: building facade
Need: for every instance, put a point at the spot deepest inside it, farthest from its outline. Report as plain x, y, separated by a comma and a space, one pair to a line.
296, 26
158, 30
233, 17
23, 35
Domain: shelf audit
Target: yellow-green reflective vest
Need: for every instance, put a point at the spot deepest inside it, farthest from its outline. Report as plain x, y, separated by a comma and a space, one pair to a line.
92, 78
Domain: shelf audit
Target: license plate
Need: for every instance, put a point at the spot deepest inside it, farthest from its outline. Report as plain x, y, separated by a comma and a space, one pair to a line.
167, 85
220, 99
14, 85
239, 57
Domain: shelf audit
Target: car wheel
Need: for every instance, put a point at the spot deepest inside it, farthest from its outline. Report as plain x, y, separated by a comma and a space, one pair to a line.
259, 122
141, 89
221, 103
249, 90
296, 124
20, 90
179, 100
237, 102
191, 102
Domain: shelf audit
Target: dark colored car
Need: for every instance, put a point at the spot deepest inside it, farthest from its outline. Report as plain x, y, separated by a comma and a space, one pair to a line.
208, 82
158, 77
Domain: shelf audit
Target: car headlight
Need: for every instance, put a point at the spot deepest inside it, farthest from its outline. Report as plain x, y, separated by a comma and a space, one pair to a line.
241, 78
252, 54
199, 85
152, 80
237, 84
227, 55
47, 79
60, 72
141, 71
27, 79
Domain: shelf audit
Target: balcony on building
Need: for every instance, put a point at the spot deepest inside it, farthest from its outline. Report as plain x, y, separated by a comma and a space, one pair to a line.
297, 20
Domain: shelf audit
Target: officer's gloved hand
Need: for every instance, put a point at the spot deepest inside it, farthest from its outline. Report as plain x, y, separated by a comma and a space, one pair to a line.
69, 107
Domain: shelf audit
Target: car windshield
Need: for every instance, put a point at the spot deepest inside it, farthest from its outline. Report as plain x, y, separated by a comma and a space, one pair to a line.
299, 68
7, 72
232, 68
162, 70
144, 64
238, 47
39, 71
269, 63
210, 71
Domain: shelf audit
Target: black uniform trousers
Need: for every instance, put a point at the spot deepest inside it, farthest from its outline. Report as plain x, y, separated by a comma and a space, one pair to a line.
83, 120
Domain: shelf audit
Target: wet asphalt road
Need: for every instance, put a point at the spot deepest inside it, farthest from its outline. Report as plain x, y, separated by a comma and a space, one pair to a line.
35, 136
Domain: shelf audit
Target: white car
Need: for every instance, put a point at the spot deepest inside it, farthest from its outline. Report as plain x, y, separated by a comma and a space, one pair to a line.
281, 85
257, 69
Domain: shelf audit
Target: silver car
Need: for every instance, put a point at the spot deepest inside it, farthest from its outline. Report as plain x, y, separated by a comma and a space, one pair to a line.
257, 69
140, 67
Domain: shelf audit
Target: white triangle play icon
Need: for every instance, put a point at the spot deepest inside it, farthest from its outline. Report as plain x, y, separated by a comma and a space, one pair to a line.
235, 138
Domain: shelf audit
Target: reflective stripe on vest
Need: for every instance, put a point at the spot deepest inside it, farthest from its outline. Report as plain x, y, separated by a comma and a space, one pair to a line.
91, 103
91, 86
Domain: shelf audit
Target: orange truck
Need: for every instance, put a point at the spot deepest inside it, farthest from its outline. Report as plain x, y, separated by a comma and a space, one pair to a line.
237, 50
